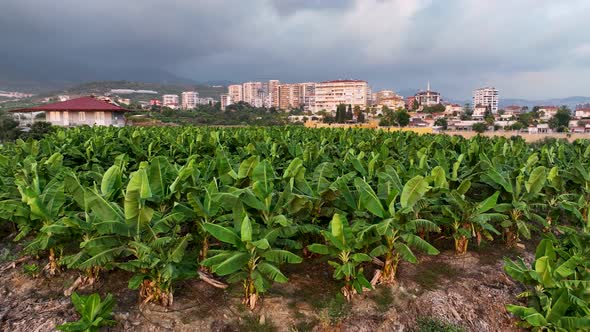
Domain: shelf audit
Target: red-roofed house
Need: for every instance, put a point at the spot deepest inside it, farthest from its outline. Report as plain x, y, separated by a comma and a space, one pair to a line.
547, 112
81, 111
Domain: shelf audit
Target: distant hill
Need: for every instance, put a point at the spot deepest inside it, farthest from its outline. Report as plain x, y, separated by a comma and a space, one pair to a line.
29, 73
571, 102
102, 87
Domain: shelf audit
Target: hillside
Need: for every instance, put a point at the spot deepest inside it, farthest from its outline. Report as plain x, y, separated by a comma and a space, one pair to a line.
102, 87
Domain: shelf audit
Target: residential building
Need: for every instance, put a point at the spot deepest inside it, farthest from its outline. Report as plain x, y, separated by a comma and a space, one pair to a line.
170, 101
81, 111
479, 112
155, 102
251, 93
225, 101
330, 94
15, 94
510, 112
307, 96
488, 97
547, 112
206, 101
273, 92
383, 94
190, 99
410, 101
391, 102
289, 96
63, 97
428, 97
125, 101
583, 113
453, 109
235, 93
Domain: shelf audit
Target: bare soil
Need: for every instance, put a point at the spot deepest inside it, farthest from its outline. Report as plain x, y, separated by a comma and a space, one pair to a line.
470, 291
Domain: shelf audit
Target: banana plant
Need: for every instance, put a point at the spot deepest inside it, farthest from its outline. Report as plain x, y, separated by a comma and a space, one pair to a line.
397, 226
470, 219
557, 285
344, 244
94, 313
578, 203
519, 196
100, 224
250, 257
156, 248
45, 199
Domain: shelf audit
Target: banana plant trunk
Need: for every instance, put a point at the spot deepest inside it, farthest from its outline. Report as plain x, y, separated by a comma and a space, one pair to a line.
52, 266
389, 268
461, 245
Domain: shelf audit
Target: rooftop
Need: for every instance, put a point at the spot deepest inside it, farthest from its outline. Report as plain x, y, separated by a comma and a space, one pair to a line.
345, 81
87, 103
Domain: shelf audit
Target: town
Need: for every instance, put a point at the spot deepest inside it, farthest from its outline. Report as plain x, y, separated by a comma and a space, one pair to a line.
341, 103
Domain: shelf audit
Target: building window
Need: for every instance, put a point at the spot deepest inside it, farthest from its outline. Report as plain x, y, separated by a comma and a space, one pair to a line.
81, 116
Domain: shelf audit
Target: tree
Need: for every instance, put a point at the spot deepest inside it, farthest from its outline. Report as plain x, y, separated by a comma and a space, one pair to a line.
438, 108
401, 118
442, 122
560, 121
340, 113
357, 112
348, 113
479, 127
467, 112
39, 130
8, 127
526, 119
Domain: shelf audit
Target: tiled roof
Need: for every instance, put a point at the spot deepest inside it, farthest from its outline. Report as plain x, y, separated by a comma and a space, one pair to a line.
89, 104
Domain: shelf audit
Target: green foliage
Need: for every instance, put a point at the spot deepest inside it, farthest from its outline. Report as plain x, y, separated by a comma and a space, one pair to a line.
557, 284
479, 127
94, 313
344, 244
429, 324
165, 202
31, 270
442, 122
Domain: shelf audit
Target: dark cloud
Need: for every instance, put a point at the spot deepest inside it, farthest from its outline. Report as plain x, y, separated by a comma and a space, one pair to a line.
290, 7
456, 44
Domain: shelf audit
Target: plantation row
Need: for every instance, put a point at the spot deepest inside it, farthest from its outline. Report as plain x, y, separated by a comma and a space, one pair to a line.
164, 203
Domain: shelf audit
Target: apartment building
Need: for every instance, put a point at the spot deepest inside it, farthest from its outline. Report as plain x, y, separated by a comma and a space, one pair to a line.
289, 96
225, 101
235, 93
307, 96
190, 99
251, 93
487, 97
170, 101
330, 94
273, 92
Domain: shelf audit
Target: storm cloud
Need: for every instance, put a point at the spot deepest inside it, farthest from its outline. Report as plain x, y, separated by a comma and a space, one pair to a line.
526, 48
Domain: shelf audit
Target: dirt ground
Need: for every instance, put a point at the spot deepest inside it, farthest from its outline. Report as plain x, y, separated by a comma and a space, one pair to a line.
469, 291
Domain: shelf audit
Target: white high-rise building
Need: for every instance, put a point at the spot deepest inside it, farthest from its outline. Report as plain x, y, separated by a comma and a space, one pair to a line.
487, 97
190, 99
250, 92
235, 93
307, 96
170, 101
225, 100
330, 94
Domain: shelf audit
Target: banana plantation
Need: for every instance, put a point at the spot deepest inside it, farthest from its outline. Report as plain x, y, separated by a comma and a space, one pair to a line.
240, 207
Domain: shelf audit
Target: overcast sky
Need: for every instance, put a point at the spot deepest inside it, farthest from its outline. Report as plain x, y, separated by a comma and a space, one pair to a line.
525, 48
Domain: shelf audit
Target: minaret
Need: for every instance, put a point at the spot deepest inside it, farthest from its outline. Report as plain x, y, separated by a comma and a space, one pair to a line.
428, 87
